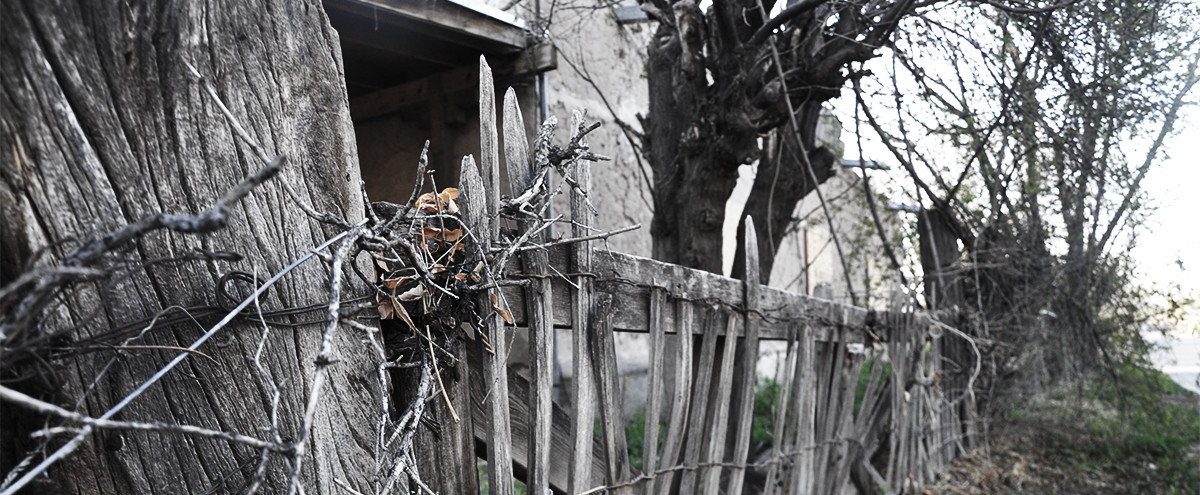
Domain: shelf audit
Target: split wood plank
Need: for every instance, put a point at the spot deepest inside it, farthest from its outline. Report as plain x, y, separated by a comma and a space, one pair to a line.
584, 396
720, 422
538, 296
654, 390
748, 380
500, 476
608, 379
699, 406
677, 421
829, 417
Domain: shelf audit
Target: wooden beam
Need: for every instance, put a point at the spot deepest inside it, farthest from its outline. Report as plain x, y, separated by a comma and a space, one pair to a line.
404, 38
444, 19
630, 278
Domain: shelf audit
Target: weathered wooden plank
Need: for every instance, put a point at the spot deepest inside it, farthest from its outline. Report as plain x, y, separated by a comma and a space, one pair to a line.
806, 429
500, 476
695, 444
898, 352
583, 396
677, 421
654, 387
828, 395
783, 416
495, 377
489, 144
745, 401
604, 351
538, 297
720, 422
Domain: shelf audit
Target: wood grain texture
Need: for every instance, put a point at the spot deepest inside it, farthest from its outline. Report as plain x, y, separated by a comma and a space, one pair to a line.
560, 443
113, 128
719, 425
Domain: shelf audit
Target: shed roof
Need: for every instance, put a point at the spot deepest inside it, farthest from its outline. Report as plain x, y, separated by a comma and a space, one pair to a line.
390, 42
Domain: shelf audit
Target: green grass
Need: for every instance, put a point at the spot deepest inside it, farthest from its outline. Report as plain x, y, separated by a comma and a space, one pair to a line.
864, 377
765, 397
1134, 424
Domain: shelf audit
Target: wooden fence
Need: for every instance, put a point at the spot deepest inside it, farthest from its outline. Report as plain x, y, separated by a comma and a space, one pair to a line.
863, 395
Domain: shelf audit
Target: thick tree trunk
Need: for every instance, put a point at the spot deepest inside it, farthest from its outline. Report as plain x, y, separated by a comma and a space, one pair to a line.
717, 83
104, 125
694, 145
940, 260
782, 181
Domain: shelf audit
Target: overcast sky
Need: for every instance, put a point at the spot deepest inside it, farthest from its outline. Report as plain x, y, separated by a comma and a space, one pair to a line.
1172, 233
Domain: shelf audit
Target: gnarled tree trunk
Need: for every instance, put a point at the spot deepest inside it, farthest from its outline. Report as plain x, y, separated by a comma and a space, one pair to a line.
103, 125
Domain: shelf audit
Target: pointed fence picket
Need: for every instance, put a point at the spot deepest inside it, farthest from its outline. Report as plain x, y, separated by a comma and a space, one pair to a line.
699, 410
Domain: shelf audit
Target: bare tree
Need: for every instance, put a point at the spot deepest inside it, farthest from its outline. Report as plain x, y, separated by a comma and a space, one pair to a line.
1035, 128
719, 80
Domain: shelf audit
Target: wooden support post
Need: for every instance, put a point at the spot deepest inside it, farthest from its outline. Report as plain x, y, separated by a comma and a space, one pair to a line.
500, 474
